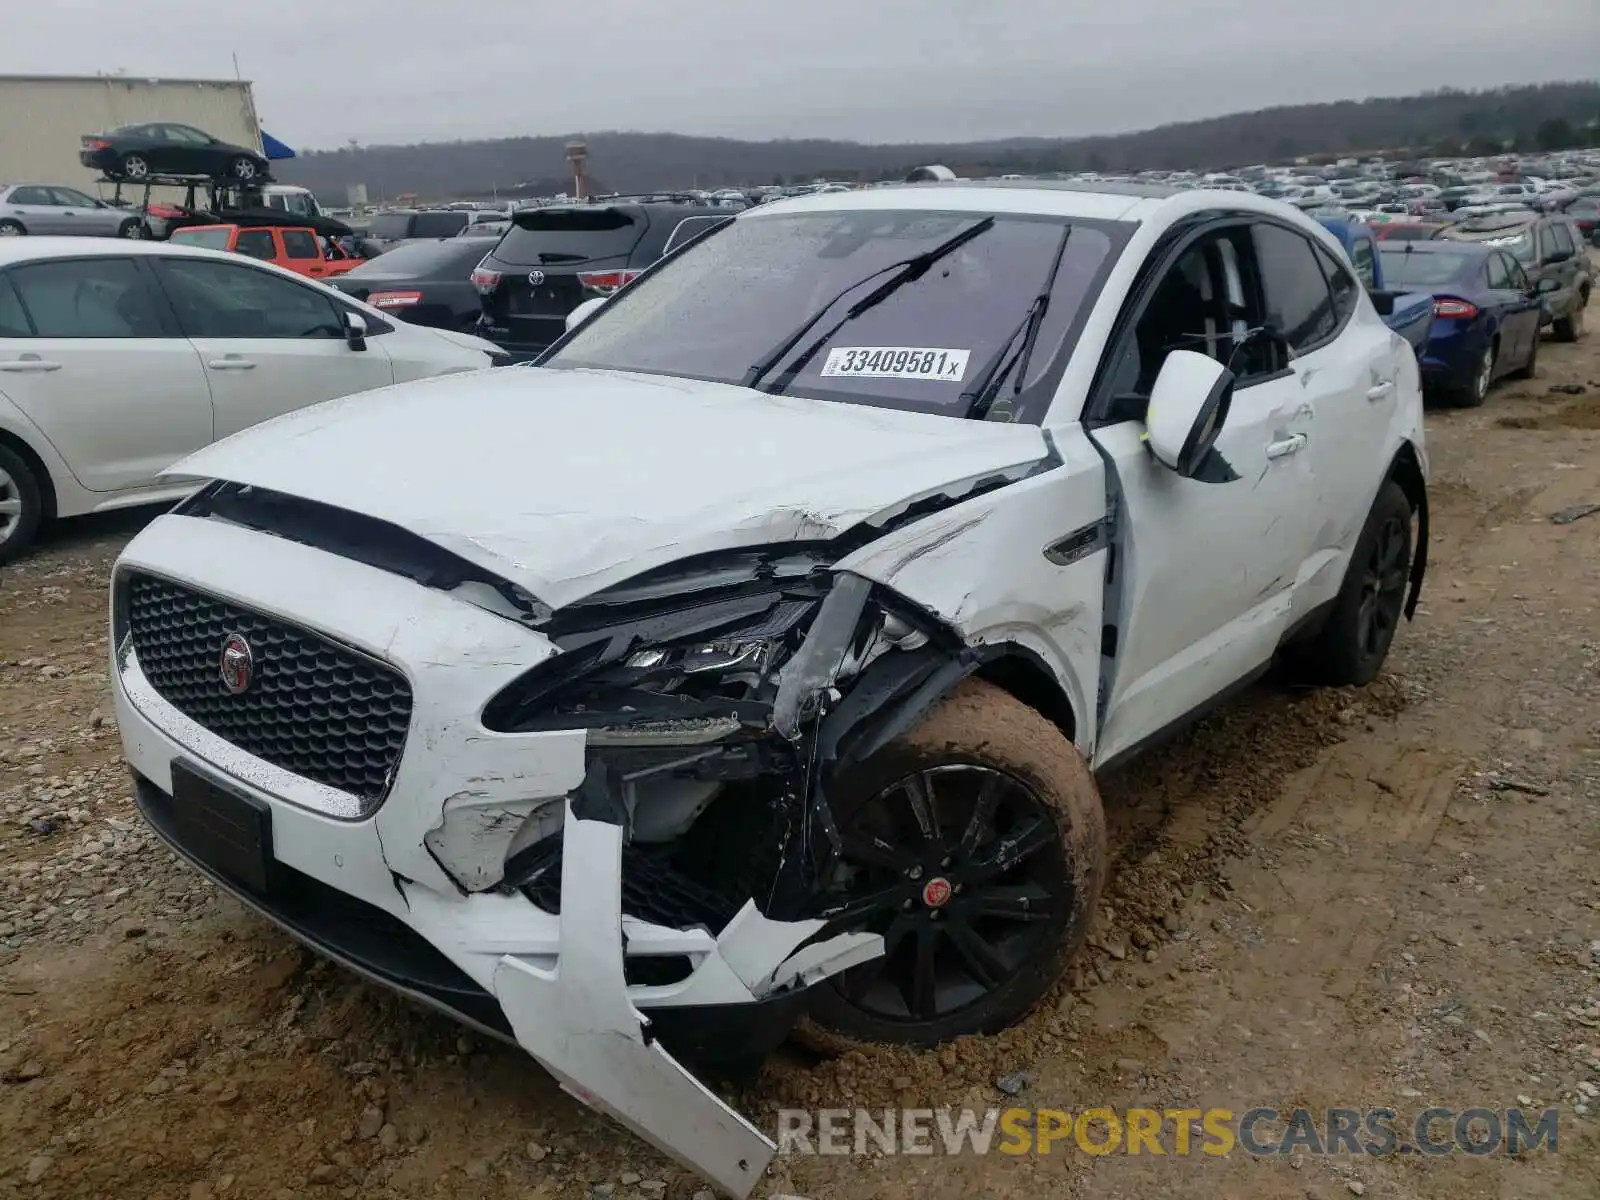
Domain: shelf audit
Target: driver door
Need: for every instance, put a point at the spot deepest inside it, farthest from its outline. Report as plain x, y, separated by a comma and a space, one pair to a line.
1202, 589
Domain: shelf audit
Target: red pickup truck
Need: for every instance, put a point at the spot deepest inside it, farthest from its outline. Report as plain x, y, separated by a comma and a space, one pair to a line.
295, 249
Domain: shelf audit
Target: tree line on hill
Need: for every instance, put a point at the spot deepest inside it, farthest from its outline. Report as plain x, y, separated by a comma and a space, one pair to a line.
1443, 123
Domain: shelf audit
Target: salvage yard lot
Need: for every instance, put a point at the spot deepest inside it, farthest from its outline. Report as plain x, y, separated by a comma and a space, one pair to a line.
1383, 896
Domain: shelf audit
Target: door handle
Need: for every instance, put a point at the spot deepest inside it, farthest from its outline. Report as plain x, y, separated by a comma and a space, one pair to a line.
1286, 446
1381, 389
29, 363
231, 363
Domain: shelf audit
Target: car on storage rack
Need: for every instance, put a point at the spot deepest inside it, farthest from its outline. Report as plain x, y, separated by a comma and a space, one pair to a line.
294, 248
552, 259
39, 208
752, 656
136, 152
116, 362
1546, 247
426, 283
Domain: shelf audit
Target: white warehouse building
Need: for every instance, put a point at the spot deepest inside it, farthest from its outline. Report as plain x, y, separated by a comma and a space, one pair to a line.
42, 117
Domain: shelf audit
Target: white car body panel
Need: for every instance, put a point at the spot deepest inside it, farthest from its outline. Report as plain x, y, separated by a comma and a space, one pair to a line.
566, 482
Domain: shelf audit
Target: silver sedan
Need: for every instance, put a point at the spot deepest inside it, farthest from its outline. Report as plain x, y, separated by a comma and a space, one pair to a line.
53, 209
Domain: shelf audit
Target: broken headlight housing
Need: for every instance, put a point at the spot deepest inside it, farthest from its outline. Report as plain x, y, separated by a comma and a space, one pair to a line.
692, 658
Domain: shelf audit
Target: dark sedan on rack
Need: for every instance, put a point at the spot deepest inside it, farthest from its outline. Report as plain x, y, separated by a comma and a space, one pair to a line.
1486, 314
138, 152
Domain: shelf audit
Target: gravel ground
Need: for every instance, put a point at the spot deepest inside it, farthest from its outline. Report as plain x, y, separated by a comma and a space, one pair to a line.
1380, 896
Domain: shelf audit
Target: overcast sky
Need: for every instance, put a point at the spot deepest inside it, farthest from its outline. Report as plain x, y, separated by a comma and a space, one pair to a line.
869, 70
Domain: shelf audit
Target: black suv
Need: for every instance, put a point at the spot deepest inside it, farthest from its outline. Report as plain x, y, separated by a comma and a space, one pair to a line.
1551, 251
553, 259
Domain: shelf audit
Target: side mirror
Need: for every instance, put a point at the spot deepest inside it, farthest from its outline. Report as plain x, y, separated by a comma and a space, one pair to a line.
1383, 302
584, 311
355, 330
1546, 285
1188, 407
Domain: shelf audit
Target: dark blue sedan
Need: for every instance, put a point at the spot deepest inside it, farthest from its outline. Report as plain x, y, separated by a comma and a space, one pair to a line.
1486, 315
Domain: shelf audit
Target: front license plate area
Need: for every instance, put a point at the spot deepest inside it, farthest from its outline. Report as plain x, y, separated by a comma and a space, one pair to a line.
225, 829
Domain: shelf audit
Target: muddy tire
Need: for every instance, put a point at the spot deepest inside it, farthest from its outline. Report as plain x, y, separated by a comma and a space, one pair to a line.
1355, 641
1530, 368
1570, 327
980, 839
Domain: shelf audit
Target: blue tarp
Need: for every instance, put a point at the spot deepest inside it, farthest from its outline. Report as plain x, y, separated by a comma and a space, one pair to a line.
274, 149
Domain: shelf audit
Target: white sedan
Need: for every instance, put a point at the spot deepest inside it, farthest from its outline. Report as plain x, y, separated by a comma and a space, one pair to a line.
118, 359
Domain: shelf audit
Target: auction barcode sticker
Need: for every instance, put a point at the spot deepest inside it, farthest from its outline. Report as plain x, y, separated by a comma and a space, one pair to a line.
896, 362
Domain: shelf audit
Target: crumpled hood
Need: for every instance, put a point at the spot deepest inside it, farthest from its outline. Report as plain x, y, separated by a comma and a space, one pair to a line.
567, 481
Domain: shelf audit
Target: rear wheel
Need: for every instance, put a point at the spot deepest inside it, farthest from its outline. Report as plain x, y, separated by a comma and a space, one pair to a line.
131, 228
133, 166
976, 846
20, 504
243, 168
1570, 327
1355, 641
1530, 368
1476, 390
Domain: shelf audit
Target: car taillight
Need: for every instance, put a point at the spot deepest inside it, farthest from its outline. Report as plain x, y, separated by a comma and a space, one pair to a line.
606, 282
163, 210
485, 280
394, 299
1458, 309
90, 143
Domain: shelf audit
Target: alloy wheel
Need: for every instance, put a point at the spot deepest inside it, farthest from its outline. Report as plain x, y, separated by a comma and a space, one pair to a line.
1480, 385
960, 868
10, 506
244, 169
1383, 587
134, 167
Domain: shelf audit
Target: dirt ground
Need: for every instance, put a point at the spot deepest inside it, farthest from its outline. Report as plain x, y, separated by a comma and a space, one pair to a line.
1387, 896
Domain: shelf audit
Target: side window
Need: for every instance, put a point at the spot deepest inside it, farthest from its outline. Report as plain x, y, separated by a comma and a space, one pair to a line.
1298, 303
224, 300
1361, 256
1497, 277
1563, 239
1516, 277
31, 195
297, 243
256, 243
14, 321
1346, 291
68, 198
87, 298
185, 135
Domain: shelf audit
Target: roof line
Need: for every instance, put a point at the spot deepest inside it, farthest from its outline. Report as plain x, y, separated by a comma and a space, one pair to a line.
129, 78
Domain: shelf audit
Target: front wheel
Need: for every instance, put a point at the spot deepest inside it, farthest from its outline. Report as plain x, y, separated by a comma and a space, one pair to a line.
11, 229
1530, 366
1366, 613
975, 845
131, 228
1476, 389
20, 504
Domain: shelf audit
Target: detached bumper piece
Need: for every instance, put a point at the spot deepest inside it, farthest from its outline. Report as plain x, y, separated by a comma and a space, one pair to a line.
576, 1019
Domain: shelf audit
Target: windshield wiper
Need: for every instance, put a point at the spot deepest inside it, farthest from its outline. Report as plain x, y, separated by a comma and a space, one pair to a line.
987, 384
909, 269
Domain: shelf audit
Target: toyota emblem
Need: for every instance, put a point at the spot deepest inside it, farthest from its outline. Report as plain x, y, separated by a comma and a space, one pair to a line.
535, 277
238, 664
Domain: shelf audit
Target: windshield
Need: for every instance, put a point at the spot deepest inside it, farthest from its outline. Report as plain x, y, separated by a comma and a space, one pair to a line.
730, 301
1403, 268
211, 239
